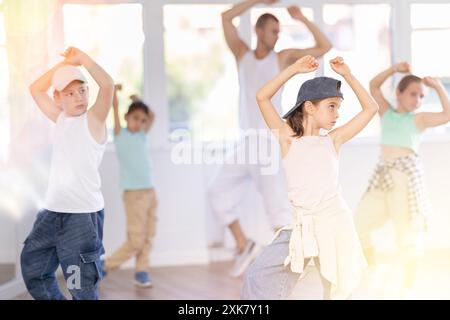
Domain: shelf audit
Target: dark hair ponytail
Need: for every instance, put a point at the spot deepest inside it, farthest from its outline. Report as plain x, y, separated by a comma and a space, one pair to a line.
137, 104
295, 121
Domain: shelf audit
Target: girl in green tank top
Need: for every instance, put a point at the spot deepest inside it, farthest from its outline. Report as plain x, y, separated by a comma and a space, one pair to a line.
396, 188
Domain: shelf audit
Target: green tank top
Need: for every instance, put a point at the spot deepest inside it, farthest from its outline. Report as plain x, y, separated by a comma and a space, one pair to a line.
400, 130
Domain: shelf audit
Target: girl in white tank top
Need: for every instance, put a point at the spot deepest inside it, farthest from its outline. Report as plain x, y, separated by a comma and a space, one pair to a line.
323, 227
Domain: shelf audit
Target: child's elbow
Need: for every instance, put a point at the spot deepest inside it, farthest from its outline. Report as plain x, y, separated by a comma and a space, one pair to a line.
447, 116
225, 16
372, 86
32, 88
260, 96
327, 47
375, 108
108, 85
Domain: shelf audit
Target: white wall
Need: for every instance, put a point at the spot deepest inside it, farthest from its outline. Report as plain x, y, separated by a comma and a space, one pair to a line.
7, 239
180, 235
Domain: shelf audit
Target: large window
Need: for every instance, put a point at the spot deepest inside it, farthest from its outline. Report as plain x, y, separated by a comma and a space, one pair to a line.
361, 34
4, 83
430, 50
293, 34
201, 73
114, 37
202, 84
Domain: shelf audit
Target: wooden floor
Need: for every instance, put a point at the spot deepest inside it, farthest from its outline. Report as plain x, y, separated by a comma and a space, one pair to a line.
171, 283
213, 283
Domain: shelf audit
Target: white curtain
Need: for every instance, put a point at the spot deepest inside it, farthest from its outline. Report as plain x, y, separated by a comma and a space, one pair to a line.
34, 36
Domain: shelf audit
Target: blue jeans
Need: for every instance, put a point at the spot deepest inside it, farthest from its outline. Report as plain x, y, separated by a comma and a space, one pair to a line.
72, 240
268, 279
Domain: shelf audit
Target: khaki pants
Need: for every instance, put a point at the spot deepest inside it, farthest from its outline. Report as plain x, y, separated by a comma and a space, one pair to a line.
140, 207
378, 206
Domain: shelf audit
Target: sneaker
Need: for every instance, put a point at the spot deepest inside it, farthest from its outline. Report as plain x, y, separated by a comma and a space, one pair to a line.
244, 258
142, 280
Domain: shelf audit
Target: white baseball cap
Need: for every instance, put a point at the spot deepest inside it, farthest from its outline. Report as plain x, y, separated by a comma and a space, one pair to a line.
65, 75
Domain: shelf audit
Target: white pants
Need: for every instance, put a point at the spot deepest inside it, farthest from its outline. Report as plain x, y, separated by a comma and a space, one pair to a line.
228, 189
